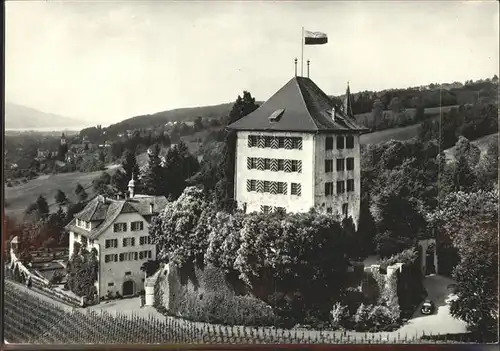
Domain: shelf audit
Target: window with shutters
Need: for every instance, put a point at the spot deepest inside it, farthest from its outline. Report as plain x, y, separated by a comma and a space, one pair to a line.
111, 243
297, 143
295, 166
281, 188
329, 143
120, 227
267, 185
340, 164
340, 142
265, 209
340, 187
295, 189
349, 142
252, 163
145, 240
350, 163
350, 185
345, 210
328, 188
252, 141
281, 165
328, 166
252, 185
111, 258
128, 242
267, 163
281, 142
267, 141
137, 226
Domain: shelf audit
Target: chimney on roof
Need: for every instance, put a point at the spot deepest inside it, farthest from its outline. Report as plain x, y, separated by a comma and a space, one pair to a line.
151, 207
308, 62
295, 67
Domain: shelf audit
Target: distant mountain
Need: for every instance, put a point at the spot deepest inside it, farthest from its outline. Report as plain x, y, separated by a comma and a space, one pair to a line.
22, 117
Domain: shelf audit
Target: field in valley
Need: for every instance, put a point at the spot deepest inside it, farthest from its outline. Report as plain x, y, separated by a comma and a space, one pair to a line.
18, 198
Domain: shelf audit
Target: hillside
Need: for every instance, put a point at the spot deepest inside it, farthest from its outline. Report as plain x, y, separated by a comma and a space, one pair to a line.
481, 143
22, 117
181, 115
18, 198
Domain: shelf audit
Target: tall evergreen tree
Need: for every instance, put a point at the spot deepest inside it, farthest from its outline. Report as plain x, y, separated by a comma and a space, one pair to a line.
60, 197
152, 181
225, 187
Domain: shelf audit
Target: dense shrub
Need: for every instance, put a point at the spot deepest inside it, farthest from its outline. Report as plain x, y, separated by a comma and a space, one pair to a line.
226, 309
340, 315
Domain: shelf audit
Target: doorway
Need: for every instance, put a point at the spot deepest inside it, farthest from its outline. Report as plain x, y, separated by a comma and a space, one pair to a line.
128, 288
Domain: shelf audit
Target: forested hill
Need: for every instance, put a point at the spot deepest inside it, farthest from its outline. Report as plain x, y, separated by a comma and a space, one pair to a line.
432, 95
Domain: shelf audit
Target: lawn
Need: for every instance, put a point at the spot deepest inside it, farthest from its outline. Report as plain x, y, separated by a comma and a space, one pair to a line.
18, 198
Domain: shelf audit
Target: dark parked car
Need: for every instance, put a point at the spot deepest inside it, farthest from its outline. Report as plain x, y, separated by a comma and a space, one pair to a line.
427, 307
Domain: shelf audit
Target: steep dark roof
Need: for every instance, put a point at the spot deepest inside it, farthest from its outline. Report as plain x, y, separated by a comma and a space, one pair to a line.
104, 211
306, 109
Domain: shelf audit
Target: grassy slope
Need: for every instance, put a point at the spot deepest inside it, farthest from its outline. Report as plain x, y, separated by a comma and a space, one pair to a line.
18, 198
482, 143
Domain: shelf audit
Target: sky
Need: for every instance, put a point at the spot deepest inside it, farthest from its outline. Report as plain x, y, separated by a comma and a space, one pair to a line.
107, 61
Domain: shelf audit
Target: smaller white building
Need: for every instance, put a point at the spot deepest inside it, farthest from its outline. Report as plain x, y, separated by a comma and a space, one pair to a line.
118, 230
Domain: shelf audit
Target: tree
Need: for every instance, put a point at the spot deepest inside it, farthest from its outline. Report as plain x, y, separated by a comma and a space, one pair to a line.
488, 165
242, 107
60, 197
377, 114
224, 189
198, 124
40, 209
80, 193
477, 277
102, 156
152, 180
225, 186
174, 230
102, 185
129, 164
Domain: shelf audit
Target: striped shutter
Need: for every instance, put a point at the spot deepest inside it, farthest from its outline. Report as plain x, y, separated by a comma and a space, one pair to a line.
274, 142
288, 166
299, 166
299, 143
261, 142
260, 186
288, 143
249, 185
285, 186
250, 141
273, 187
274, 165
260, 164
299, 189
249, 162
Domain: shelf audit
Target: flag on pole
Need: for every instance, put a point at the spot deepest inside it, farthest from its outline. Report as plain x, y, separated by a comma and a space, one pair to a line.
315, 38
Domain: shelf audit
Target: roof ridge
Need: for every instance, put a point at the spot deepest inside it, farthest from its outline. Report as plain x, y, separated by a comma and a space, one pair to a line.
304, 101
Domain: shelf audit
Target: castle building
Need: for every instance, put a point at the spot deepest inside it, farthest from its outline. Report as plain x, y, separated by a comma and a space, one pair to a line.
299, 150
118, 230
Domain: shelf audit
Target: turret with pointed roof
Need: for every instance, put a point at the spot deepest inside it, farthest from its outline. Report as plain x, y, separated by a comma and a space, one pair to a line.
347, 102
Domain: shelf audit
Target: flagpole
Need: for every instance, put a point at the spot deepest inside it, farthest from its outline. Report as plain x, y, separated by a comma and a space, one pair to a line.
302, 56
